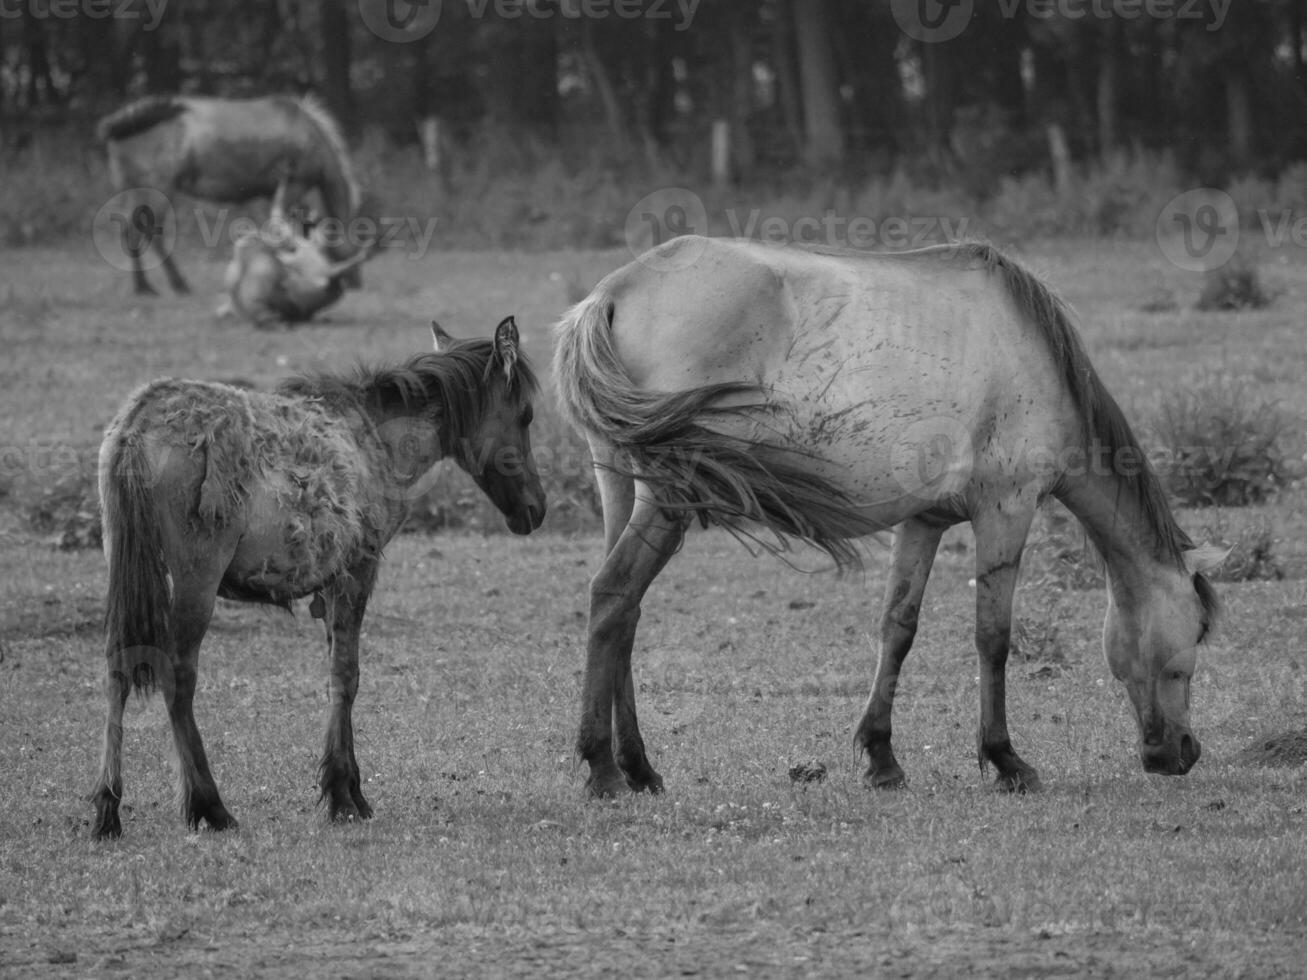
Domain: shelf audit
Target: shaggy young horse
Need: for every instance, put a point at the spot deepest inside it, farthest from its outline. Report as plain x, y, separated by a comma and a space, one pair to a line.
228, 151
829, 395
208, 490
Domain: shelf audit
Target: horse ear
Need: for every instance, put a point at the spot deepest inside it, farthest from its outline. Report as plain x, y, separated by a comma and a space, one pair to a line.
1205, 559
506, 341
442, 339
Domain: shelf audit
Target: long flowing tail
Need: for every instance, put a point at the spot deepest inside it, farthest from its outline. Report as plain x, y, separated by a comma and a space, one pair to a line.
138, 116
672, 445
138, 632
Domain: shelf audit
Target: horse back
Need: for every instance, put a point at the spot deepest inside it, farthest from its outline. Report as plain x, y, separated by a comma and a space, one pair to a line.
857, 355
288, 490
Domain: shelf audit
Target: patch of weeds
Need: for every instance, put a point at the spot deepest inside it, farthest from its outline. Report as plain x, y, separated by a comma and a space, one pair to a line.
1233, 286
1058, 557
1160, 300
1251, 549
67, 513
1220, 446
1037, 639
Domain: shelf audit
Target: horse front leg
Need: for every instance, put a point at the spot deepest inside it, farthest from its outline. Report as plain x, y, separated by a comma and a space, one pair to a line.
1000, 538
641, 551
915, 543
339, 777
175, 279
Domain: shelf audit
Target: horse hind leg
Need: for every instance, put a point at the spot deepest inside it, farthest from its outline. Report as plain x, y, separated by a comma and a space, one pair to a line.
617, 496
649, 539
1000, 537
197, 791
175, 279
915, 544
339, 778
109, 787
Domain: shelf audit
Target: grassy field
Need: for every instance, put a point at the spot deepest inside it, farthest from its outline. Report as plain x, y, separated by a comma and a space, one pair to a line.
483, 858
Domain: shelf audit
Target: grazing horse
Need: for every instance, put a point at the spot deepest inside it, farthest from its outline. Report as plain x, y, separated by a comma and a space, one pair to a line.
827, 395
283, 273
229, 151
208, 490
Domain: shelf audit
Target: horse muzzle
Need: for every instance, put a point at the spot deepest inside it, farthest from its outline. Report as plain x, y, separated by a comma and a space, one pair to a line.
527, 518
1173, 758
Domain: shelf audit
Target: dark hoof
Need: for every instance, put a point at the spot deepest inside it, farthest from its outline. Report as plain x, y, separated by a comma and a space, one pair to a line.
885, 779
107, 828
652, 783
608, 787
1020, 782
146, 290
351, 811
215, 817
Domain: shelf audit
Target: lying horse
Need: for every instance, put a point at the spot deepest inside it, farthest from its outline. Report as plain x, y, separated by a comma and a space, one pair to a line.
827, 396
283, 272
228, 151
208, 490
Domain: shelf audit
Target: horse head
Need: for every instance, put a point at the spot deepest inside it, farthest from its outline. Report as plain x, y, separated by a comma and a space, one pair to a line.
495, 449
1151, 638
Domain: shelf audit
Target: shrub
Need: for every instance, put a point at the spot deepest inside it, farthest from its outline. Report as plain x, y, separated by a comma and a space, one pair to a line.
1220, 446
1233, 286
1251, 549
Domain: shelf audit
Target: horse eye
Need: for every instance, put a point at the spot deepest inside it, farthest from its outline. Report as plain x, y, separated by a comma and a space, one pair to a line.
528, 416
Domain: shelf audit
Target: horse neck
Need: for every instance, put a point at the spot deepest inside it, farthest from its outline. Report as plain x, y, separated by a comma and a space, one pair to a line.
337, 188
1126, 518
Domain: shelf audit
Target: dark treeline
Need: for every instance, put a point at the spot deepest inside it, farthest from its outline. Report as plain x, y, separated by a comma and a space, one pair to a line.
816, 85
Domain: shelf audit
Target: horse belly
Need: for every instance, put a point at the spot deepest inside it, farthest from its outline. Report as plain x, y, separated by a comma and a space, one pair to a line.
290, 549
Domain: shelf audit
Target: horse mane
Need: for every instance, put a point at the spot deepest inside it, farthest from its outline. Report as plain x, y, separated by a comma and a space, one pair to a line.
1102, 418
326, 124
457, 380
138, 116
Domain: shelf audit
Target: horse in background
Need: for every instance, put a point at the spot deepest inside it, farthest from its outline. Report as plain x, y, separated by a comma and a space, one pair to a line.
829, 395
283, 273
209, 490
227, 151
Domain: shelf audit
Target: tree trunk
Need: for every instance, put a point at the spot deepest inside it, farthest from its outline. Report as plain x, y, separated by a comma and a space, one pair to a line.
1239, 118
743, 153
161, 53
40, 86
603, 83
335, 21
937, 65
823, 130
787, 81
1108, 84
